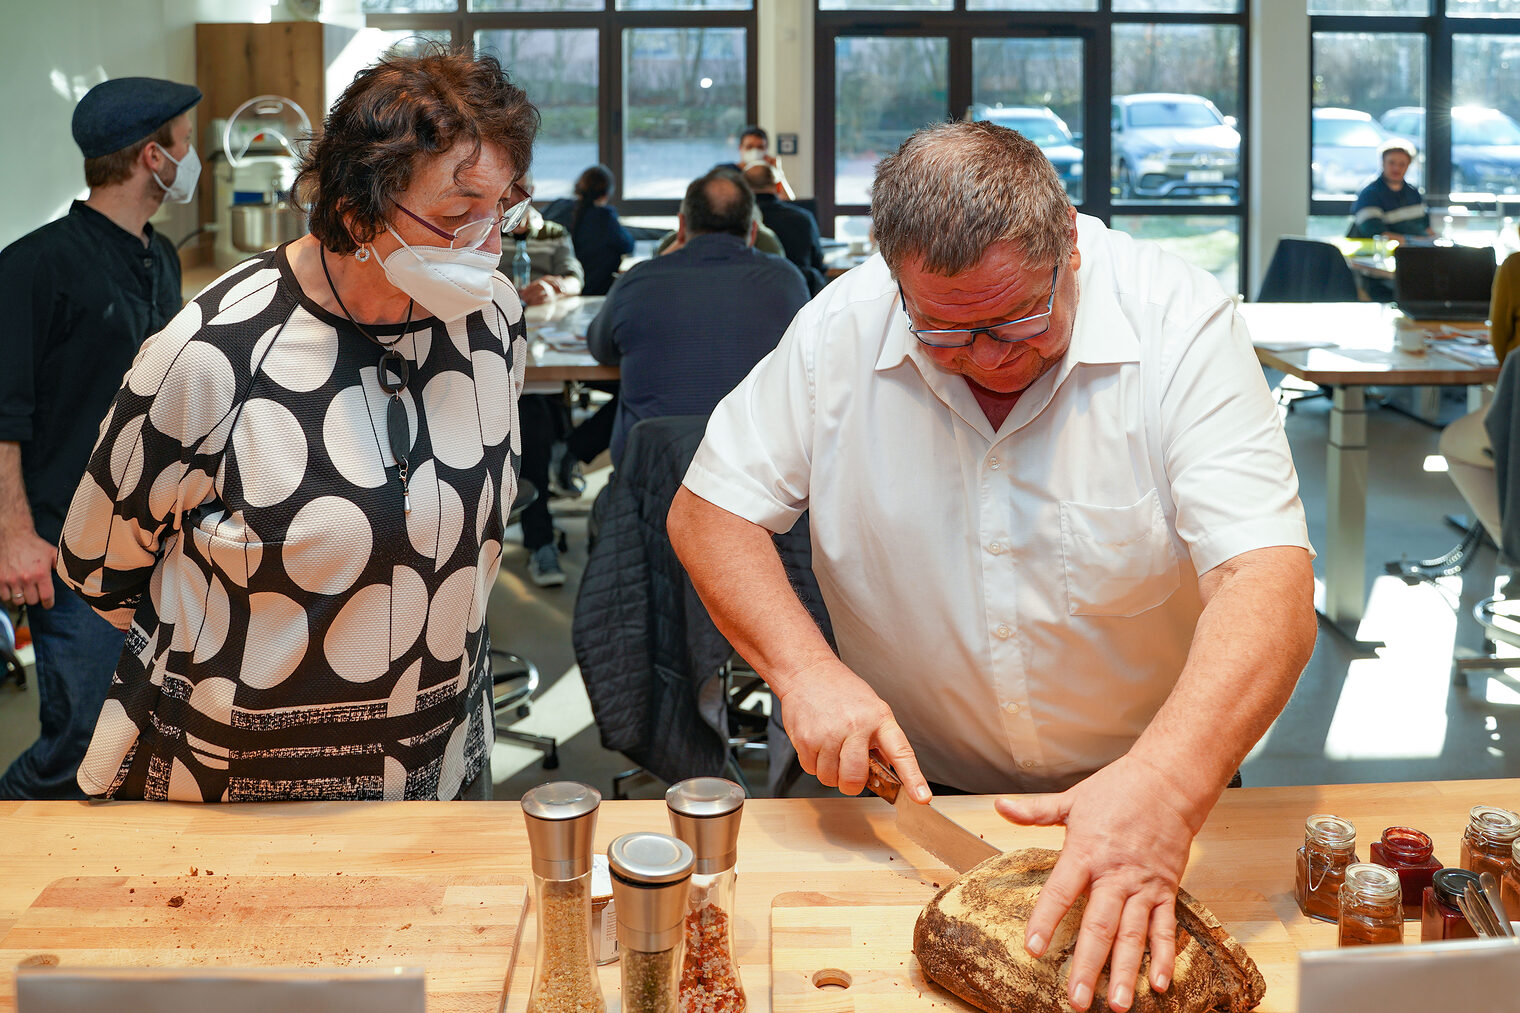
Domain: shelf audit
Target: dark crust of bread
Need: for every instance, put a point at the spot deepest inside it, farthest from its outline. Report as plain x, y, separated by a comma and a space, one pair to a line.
966, 955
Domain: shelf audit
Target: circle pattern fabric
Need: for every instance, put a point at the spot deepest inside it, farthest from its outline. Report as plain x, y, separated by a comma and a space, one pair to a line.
293, 632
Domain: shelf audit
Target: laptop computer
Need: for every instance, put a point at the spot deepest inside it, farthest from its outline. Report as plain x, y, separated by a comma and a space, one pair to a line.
1443, 282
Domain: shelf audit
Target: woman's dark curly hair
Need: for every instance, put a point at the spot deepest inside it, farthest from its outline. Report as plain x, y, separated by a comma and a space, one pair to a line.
395, 115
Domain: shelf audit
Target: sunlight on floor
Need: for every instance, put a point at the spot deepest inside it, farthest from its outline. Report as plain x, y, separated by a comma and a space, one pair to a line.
1394, 705
562, 711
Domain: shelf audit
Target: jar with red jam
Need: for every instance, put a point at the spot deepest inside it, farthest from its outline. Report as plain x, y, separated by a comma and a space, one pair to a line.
1409, 854
1329, 847
1509, 885
1370, 910
1489, 843
1440, 917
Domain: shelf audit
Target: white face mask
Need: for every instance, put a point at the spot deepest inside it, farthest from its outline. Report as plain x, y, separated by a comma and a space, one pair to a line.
183, 187
749, 156
447, 283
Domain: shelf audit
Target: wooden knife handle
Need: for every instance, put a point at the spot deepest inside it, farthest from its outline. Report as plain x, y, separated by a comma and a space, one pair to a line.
880, 780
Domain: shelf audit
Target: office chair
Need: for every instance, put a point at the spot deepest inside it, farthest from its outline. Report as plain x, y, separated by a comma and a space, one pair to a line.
10, 664
1306, 270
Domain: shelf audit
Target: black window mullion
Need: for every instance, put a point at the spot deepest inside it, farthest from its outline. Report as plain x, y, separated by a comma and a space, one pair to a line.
1438, 91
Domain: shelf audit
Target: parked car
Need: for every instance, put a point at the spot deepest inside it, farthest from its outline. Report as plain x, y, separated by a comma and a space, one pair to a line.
1485, 146
1345, 150
1042, 126
1171, 145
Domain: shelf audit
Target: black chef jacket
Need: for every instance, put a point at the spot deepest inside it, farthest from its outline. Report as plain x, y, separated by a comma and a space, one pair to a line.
77, 298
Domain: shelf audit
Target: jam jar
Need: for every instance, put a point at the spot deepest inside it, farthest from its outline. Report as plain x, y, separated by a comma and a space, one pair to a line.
1509, 885
1488, 845
1329, 846
1370, 910
1440, 918
1407, 852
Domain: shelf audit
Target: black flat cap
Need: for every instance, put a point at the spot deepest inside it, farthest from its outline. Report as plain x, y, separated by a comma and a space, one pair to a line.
122, 111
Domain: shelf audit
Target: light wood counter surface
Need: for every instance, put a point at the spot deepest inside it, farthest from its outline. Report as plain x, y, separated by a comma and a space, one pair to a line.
835, 846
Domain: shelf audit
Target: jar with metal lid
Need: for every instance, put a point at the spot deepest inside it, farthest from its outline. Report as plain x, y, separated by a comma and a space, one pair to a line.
1410, 854
705, 813
1371, 912
651, 876
1509, 885
561, 819
1329, 846
1490, 839
1440, 917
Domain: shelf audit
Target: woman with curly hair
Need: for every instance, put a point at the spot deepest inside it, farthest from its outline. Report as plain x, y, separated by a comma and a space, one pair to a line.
295, 508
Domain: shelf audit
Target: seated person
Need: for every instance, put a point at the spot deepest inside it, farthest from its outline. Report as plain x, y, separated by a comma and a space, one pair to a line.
556, 271
766, 241
600, 239
688, 326
543, 416
794, 226
1390, 205
754, 149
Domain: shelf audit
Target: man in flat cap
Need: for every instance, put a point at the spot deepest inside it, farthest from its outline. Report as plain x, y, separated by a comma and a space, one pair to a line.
80, 295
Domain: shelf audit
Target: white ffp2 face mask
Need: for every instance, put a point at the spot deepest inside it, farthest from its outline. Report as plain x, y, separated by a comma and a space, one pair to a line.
447, 283
189, 172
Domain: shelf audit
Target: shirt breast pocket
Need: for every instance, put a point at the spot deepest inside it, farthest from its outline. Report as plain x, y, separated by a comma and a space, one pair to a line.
1119, 560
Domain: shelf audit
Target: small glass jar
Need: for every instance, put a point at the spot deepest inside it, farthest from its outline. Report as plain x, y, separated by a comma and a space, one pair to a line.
561, 819
1488, 845
1370, 910
1329, 846
705, 813
1440, 918
651, 876
1509, 885
1409, 853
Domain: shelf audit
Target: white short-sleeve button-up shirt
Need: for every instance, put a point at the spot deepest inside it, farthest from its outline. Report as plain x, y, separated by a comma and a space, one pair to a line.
1022, 599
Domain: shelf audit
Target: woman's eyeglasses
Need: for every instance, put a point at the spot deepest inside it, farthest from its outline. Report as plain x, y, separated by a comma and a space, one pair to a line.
509, 215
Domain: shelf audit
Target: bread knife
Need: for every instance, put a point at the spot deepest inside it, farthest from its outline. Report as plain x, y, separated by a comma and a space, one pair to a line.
926, 826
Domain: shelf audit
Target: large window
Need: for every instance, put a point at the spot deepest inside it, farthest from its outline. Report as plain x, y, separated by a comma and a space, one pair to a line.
1441, 74
1166, 77
657, 90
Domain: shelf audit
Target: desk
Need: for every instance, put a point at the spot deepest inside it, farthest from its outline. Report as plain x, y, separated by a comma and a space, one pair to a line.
1361, 350
557, 341
837, 846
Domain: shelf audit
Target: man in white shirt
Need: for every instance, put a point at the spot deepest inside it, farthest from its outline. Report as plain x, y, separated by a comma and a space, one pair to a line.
1054, 520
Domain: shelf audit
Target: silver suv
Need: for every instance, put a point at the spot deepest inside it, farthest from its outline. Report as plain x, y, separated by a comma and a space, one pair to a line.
1171, 145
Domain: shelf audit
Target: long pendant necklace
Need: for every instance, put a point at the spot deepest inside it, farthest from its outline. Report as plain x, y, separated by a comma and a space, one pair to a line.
393, 373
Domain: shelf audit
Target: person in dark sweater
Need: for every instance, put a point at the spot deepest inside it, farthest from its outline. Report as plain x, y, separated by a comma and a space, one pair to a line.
793, 225
82, 293
687, 326
600, 239
1390, 205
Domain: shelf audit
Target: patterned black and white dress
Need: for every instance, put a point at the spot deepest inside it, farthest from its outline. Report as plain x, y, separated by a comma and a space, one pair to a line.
292, 633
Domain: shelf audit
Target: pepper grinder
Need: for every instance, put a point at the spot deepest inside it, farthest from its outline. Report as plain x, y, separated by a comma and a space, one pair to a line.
705, 813
561, 819
651, 874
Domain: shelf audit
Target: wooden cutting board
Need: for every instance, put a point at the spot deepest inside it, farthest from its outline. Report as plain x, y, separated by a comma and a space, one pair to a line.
463, 930
870, 937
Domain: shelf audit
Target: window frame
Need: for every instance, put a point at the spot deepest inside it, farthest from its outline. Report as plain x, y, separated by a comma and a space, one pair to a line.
1095, 29
1439, 29
610, 24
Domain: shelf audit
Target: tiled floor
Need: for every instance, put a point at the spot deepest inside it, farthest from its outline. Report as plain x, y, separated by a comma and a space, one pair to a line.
1388, 715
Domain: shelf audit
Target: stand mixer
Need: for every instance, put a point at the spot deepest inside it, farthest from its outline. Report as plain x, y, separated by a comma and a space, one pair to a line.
253, 174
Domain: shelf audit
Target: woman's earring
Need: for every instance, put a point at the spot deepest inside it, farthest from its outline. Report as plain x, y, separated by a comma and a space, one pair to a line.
362, 254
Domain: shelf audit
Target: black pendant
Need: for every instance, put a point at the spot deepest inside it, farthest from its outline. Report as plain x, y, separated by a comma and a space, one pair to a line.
393, 364
399, 431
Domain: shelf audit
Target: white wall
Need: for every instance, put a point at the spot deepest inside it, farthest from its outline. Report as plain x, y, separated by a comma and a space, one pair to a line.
58, 50
1279, 129
785, 75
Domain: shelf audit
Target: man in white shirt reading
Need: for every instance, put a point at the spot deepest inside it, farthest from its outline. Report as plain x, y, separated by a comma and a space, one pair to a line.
1054, 520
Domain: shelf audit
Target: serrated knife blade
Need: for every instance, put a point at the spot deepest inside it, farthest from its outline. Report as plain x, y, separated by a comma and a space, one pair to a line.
926, 826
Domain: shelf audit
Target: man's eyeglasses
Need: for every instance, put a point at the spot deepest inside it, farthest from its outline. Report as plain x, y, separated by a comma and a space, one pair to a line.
509, 215
1010, 332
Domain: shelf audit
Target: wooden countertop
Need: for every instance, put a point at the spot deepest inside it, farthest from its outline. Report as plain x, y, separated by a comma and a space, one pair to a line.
835, 846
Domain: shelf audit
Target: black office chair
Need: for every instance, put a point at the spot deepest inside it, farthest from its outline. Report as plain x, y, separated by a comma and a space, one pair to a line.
10, 664
514, 679
1306, 270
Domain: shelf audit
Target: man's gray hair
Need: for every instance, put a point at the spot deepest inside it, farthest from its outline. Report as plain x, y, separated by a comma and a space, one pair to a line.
954, 189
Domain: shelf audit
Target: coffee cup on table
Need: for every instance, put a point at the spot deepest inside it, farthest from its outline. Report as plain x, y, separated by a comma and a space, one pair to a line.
1411, 340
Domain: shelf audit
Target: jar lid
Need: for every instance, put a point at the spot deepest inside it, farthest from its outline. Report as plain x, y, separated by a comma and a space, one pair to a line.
561, 800
1496, 824
1450, 884
650, 858
1329, 831
1375, 882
